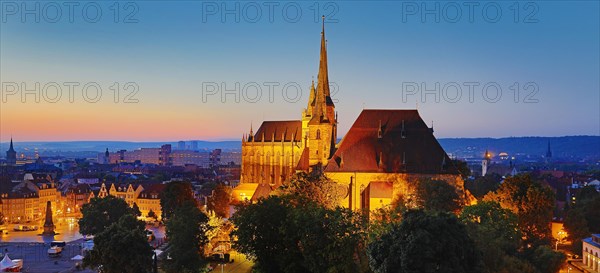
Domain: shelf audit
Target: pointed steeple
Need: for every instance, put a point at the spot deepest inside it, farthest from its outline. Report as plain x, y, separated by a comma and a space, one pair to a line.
311, 99
323, 96
11, 145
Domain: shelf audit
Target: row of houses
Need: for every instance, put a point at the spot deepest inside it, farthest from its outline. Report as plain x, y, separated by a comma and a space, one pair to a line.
25, 201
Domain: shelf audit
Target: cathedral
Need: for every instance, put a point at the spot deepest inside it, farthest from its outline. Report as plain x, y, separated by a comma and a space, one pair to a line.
383, 155
280, 148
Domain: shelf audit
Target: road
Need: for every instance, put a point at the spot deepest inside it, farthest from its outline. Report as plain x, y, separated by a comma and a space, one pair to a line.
240, 265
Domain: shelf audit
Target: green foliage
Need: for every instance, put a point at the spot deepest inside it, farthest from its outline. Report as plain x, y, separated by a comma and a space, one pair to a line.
437, 195
136, 210
547, 260
424, 242
176, 194
220, 200
583, 218
532, 202
462, 167
121, 248
483, 185
315, 187
293, 234
100, 213
186, 229
494, 231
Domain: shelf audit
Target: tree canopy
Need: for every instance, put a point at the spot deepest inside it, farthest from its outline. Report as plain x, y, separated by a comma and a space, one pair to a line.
294, 234
425, 242
186, 229
121, 248
437, 195
314, 186
100, 213
176, 194
220, 200
583, 218
532, 202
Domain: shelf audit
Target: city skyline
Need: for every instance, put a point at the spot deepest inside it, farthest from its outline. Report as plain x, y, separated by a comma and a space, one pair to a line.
382, 63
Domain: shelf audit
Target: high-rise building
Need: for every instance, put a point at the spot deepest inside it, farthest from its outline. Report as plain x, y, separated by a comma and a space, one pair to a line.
181, 145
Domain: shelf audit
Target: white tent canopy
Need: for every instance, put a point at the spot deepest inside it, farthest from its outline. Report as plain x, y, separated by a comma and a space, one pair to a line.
77, 258
6, 263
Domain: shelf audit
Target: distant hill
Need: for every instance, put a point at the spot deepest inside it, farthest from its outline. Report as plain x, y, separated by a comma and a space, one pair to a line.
568, 147
100, 146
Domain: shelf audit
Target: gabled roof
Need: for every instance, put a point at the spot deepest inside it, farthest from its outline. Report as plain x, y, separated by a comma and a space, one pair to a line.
285, 129
303, 163
406, 145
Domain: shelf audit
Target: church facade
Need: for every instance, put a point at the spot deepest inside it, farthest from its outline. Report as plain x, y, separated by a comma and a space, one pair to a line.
383, 155
280, 148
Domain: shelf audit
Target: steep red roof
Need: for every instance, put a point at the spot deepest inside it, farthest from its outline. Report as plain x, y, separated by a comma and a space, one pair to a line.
287, 129
303, 163
406, 145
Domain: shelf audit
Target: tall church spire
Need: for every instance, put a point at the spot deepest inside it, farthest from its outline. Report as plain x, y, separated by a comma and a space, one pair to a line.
11, 145
323, 96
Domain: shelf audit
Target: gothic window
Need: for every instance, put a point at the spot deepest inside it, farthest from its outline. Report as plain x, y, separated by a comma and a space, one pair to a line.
318, 134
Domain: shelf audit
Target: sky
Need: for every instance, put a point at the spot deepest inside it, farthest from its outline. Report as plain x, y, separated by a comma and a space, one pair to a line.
180, 70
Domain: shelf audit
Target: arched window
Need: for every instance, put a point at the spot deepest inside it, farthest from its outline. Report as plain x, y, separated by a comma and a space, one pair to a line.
318, 134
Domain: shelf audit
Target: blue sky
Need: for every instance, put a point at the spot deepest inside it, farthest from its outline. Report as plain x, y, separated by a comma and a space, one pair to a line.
379, 51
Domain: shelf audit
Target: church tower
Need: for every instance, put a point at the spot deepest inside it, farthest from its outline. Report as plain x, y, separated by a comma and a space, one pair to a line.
11, 155
319, 120
485, 163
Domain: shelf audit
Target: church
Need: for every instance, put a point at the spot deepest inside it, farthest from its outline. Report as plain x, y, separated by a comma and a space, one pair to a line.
383, 155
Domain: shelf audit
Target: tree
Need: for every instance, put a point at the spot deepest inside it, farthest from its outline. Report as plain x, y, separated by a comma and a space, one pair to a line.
495, 232
314, 186
186, 229
136, 210
425, 242
151, 214
437, 195
306, 236
483, 185
121, 248
462, 168
532, 202
176, 194
220, 200
547, 260
583, 218
100, 213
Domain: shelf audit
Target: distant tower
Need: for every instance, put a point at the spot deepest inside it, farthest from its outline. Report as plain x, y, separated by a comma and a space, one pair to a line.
485, 163
548, 152
106, 157
11, 155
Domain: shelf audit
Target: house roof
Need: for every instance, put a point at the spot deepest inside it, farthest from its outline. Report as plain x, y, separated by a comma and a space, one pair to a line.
281, 129
406, 145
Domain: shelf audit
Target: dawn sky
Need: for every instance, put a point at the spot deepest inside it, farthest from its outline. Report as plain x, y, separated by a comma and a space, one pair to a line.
178, 58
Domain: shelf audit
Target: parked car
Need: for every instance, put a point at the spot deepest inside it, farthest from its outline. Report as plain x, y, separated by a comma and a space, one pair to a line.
56, 248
